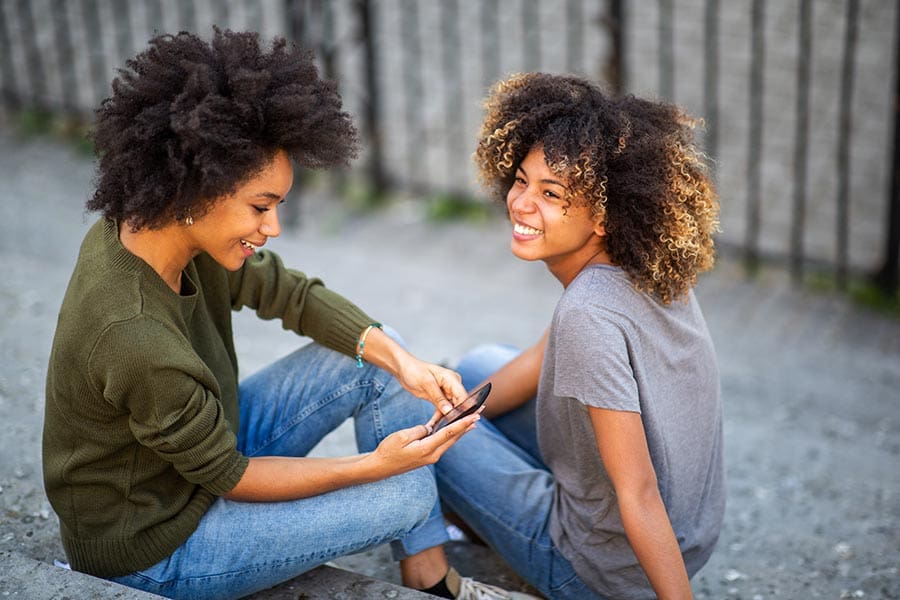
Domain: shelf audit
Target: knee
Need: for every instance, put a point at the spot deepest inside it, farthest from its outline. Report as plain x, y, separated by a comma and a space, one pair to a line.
481, 362
415, 494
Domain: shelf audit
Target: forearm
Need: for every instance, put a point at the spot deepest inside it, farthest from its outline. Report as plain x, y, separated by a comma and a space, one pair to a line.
279, 478
650, 534
516, 382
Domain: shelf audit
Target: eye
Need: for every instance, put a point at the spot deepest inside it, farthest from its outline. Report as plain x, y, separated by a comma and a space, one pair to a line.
261, 209
520, 180
553, 195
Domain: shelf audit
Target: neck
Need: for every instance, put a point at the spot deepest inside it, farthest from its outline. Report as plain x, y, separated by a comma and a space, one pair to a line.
566, 273
164, 249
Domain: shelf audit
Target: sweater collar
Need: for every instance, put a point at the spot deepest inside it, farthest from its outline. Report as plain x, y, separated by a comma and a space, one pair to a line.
124, 260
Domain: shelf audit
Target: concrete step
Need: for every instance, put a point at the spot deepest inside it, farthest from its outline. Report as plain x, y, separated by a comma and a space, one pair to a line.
27, 578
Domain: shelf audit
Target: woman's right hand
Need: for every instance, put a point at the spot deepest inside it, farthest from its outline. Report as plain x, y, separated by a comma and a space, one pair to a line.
409, 449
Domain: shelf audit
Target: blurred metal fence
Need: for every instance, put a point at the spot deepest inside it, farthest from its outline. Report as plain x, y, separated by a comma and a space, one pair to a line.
800, 109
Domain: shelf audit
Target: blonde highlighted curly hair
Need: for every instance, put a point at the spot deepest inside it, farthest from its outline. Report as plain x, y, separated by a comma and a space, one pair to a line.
632, 161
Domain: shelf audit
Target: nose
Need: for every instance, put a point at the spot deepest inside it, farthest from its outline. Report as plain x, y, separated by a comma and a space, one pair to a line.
271, 227
518, 201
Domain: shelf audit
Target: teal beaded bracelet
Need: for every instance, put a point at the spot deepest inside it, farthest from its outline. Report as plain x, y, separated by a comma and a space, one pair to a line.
360, 348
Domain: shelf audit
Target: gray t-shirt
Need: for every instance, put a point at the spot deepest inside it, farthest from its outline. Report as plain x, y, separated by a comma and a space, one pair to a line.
613, 347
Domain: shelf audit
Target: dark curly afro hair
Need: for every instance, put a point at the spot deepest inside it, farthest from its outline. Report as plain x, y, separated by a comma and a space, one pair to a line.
632, 161
189, 121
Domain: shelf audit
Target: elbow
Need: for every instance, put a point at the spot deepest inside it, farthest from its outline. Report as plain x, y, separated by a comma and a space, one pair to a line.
639, 494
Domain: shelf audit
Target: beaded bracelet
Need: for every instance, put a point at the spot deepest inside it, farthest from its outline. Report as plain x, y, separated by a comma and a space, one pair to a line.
362, 344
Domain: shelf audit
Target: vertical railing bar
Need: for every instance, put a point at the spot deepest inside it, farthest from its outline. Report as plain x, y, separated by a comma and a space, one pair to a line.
255, 18
11, 97
574, 36
888, 277
531, 36
490, 47
187, 16
412, 79
153, 12
35, 67
843, 143
801, 140
372, 107
96, 62
615, 70
666, 49
295, 24
754, 151
452, 89
221, 13
65, 56
711, 80
122, 24
329, 49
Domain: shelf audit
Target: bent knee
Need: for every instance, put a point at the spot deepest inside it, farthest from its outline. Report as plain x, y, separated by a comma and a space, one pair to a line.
413, 495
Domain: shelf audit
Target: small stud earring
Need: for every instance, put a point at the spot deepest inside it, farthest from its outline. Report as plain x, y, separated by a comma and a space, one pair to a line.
189, 220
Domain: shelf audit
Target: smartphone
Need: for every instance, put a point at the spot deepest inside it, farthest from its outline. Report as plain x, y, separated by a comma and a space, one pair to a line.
466, 407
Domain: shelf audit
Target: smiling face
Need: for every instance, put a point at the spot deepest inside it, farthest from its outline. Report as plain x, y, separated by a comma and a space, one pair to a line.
564, 234
240, 223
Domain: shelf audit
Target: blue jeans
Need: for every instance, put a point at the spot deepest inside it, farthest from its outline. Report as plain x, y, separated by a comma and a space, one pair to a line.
494, 478
286, 409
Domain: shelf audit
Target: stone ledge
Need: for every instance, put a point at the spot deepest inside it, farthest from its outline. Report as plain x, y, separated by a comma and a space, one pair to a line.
27, 578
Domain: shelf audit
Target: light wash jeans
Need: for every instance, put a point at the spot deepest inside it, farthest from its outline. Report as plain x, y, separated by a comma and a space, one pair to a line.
286, 409
494, 478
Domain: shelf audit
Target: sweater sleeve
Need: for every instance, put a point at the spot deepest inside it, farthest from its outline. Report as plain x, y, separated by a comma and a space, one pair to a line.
303, 304
169, 395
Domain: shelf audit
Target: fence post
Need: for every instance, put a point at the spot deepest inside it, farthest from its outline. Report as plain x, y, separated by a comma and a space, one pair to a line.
616, 75
11, 100
887, 277
757, 64
801, 142
666, 29
711, 81
295, 18
365, 12
843, 144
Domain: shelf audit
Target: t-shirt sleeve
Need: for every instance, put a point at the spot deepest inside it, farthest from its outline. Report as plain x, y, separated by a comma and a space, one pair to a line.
303, 303
592, 361
169, 410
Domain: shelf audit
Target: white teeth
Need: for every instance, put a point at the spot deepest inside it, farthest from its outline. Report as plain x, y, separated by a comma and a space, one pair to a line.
525, 230
247, 244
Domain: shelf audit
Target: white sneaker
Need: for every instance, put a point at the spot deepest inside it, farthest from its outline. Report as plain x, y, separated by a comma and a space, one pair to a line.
469, 589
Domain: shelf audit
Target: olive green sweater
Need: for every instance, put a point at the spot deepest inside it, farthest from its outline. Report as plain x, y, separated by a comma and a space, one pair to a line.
142, 394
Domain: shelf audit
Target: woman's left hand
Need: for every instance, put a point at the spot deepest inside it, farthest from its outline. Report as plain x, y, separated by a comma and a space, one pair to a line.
440, 386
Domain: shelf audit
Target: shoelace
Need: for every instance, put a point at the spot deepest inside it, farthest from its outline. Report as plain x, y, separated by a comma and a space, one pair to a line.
470, 589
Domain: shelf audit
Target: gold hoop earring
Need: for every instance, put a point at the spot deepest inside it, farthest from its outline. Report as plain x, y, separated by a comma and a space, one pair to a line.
189, 220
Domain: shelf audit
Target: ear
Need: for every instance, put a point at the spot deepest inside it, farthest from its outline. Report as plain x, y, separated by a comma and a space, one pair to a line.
600, 228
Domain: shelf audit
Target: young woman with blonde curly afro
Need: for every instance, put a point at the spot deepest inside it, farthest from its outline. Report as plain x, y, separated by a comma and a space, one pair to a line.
599, 472
167, 473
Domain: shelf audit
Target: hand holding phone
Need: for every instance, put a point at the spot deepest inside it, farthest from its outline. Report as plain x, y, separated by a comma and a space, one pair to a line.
465, 408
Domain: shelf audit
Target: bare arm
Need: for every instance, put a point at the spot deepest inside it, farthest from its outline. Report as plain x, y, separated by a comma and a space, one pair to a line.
517, 381
626, 457
278, 478
440, 386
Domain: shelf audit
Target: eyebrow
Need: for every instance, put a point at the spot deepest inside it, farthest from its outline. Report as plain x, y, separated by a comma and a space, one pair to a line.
550, 181
269, 195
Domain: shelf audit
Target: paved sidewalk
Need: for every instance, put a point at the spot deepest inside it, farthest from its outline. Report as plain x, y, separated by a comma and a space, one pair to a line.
811, 382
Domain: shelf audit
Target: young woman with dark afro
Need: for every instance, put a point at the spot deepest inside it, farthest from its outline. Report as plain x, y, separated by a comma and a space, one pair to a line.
167, 473
599, 472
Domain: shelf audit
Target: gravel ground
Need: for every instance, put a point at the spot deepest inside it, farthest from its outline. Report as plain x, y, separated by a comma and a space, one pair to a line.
811, 382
